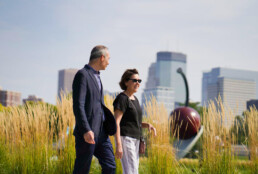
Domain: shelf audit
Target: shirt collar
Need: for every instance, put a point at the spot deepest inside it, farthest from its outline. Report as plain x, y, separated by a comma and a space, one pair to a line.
94, 71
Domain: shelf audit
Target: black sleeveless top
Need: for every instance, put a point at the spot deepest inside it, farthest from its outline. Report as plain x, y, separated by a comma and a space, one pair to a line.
131, 122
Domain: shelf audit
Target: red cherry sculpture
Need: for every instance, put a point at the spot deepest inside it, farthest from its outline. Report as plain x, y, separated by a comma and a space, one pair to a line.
186, 122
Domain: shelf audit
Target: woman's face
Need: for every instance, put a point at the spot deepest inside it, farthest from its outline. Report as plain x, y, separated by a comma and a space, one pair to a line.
133, 83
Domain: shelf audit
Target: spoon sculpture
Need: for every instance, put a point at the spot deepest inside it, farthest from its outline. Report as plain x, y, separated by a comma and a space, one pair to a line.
185, 125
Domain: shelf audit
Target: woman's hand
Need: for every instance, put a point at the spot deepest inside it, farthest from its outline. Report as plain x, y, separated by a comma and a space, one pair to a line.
151, 128
119, 151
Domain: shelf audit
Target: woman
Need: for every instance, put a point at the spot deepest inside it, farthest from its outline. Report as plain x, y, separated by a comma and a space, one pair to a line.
128, 115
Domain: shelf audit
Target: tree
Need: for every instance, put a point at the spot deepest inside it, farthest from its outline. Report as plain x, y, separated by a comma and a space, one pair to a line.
196, 106
240, 129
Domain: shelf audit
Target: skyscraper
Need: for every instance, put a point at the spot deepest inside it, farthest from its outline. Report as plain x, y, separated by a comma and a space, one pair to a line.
163, 82
234, 86
163, 95
65, 80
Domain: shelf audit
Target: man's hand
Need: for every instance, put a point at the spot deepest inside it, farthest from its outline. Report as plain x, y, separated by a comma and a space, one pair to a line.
89, 137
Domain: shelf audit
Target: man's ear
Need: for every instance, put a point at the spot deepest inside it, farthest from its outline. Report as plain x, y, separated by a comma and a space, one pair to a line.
102, 58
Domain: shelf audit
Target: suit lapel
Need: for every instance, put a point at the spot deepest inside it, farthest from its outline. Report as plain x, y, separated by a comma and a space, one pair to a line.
94, 79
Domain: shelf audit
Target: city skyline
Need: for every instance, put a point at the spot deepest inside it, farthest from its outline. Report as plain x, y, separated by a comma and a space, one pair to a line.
39, 38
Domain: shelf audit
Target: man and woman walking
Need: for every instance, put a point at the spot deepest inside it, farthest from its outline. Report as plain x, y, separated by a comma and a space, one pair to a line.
95, 122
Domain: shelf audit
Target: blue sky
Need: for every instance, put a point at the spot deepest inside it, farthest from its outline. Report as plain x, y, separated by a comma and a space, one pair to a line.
40, 37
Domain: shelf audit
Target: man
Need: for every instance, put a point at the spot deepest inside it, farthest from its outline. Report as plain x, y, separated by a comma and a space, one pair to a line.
94, 122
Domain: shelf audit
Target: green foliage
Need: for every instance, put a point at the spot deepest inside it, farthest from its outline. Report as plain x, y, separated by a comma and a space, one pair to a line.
240, 130
221, 164
4, 161
196, 106
3, 108
66, 156
196, 151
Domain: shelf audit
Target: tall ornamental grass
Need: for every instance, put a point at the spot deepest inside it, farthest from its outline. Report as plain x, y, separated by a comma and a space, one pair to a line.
37, 138
218, 155
160, 153
217, 140
252, 122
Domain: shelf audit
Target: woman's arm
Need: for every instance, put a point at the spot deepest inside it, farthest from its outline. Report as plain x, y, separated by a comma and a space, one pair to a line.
150, 127
119, 150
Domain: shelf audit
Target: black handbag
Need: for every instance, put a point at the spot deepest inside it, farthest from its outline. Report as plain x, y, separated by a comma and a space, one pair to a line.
110, 122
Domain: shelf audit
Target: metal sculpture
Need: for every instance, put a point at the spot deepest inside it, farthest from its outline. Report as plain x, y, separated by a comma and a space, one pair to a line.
185, 125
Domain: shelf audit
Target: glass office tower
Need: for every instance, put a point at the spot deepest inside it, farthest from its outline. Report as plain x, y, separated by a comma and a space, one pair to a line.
166, 73
234, 86
163, 82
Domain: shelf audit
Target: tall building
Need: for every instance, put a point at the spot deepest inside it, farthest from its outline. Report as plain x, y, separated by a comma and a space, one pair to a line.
10, 98
163, 95
65, 80
252, 103
151, 81
234, 86
163, 82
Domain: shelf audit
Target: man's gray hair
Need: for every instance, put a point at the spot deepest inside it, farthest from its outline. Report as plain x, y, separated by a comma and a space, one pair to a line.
98, 51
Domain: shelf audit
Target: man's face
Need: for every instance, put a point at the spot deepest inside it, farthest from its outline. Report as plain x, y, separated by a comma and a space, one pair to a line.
105, 61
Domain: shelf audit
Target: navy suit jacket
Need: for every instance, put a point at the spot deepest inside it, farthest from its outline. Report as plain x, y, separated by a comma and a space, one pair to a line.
88, 105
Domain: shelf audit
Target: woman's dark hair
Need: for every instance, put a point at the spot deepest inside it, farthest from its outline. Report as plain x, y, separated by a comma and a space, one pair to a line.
126, 76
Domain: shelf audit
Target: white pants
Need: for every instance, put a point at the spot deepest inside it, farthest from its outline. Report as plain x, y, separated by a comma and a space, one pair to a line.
130, 159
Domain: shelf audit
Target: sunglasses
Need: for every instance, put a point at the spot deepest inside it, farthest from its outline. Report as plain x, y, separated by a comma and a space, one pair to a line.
136, 80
